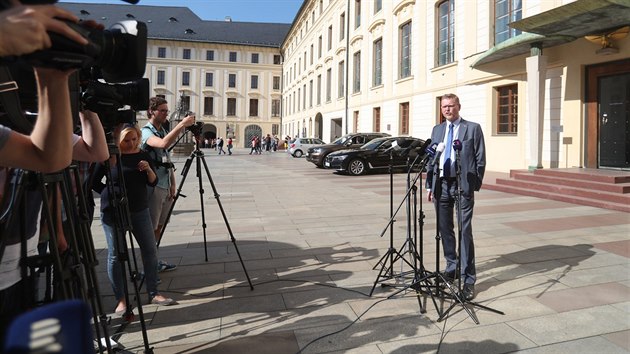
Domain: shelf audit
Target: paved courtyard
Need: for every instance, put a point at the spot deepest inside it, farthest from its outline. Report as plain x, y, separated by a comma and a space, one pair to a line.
310, 241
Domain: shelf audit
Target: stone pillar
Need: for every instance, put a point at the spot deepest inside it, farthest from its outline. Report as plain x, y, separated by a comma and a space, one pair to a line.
536, 75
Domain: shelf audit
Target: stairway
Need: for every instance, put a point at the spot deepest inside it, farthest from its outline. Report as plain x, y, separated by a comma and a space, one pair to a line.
609, 189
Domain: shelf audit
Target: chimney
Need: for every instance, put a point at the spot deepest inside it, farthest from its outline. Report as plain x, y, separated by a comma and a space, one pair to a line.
228, 19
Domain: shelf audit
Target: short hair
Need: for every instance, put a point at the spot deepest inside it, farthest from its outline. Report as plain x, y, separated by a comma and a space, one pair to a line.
128, 128
155, 102
450, 96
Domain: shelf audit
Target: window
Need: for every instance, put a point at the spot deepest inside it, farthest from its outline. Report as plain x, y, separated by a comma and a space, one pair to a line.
506, 11
378, 5
275, 108
276, 59
310, 94
209, 54
255, 58
299, 96
328, 85
342, 26
319, 47
160, 77
185, 102
507, 109
233, 57
311, 56
208, 106
161, 52
377, 74
357, 13
185, 78
276, 82
231, 106
404, 118
321, 6
232, 80
355, 118
376, 119
209, 79
405, 51
341, 76
356, 82
304, 60
319, 89
330, 32
446, 32
186, 54
253, 107
254, 82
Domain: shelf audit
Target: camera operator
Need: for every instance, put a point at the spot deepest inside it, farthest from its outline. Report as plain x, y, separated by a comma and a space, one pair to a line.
50, 146
156, 139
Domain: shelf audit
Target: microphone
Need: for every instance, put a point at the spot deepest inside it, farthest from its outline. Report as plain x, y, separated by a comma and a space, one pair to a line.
430, 151
414, 147
457, 145
440, 149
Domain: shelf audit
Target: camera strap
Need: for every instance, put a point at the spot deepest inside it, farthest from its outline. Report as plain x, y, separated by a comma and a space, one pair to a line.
10, 100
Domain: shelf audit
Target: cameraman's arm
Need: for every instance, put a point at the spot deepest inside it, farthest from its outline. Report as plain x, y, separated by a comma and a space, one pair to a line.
49, 147
23, 29
171, 137
92, 146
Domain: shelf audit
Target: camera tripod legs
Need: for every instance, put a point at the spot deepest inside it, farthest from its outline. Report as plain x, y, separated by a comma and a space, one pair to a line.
198, 156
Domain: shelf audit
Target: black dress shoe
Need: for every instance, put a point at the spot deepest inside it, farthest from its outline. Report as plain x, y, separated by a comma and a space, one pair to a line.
468, 292
449, 276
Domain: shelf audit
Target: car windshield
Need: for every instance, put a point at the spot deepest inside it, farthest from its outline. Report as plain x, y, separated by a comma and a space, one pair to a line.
342, 140
377, 143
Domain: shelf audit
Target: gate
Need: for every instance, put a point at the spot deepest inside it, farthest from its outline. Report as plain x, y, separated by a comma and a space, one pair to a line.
250, 131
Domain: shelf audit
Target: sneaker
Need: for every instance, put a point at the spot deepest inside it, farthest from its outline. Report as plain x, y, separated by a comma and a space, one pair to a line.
165, 267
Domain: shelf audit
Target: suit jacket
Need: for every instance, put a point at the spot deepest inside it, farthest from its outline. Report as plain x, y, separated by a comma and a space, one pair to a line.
472, 156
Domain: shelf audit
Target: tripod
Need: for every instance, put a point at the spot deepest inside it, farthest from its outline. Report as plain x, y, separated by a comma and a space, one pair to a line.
122, 226
198, 156
421, 281
458, 295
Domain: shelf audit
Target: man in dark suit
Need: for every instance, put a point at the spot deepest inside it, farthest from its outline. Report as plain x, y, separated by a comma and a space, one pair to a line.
442, 187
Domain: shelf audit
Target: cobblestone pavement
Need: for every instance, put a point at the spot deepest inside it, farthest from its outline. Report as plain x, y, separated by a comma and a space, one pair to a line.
311, 243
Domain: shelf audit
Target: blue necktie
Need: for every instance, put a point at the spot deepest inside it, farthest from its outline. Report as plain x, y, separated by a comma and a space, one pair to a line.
447, 153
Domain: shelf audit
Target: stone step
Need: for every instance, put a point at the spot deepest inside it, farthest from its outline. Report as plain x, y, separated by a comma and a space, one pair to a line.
563, 189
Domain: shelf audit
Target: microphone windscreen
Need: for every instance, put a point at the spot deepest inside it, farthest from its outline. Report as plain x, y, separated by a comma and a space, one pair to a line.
457, 145
440, 147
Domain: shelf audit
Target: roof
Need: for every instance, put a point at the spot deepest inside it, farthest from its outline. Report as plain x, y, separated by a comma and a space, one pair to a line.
180, 23
560, 25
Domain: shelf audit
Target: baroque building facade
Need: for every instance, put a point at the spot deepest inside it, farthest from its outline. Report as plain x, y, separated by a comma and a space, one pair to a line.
227, 73
549, 81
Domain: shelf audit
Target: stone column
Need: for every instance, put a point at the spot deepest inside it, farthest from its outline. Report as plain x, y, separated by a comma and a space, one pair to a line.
536, 75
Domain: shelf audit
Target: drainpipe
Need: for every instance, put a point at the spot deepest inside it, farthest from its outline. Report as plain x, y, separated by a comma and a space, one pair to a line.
347, 62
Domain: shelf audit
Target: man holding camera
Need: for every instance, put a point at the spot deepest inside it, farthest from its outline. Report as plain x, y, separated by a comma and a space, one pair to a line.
156, 139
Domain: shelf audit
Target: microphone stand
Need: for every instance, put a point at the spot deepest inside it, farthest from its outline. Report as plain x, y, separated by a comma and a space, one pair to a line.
459, 296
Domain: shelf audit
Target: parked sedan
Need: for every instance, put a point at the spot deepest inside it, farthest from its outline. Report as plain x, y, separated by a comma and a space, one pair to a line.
318, 154
374, 155
297, 147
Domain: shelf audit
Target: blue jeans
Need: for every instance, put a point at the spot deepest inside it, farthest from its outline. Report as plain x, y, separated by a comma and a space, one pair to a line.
143, 233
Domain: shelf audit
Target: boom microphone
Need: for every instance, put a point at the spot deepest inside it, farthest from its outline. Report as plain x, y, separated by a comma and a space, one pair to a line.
414, 147
440, 150
430, 151
457, 145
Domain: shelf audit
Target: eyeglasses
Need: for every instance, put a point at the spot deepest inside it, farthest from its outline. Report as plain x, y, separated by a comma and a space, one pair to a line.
449, 106
163, 110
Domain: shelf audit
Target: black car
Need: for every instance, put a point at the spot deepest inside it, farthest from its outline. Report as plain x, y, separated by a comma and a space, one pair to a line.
374, 155
318, 154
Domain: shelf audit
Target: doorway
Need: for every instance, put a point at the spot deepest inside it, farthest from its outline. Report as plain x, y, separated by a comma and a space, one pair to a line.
608, 122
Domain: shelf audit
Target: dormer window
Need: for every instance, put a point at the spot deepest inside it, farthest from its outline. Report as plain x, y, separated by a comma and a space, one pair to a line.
130, 16
84, 12
189, 31
172, 19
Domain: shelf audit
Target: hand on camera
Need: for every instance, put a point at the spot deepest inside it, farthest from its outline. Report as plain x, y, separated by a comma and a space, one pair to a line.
23, 29
188, 121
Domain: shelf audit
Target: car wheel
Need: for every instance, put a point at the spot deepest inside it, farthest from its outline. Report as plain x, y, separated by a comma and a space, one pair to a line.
297, 153
356, 167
